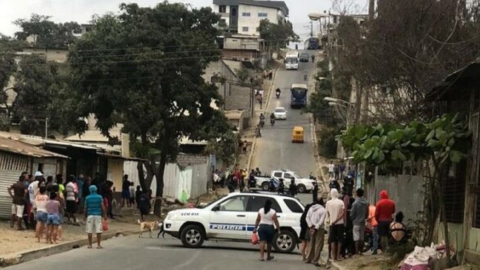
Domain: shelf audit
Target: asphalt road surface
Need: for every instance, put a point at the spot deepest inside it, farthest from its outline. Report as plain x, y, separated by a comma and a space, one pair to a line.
275, 150
144, 253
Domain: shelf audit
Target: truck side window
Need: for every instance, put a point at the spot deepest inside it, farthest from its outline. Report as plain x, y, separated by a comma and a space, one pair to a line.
293, 206
256, 203
277, 174
287, 175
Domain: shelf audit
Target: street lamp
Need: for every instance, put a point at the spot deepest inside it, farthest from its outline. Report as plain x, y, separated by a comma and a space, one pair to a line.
336, 104
336, 100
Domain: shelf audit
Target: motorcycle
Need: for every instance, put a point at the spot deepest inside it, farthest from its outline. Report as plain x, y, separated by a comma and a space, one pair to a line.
278, 95
272, 121
262, 123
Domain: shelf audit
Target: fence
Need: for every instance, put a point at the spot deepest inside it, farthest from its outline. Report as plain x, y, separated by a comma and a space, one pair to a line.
405, 190
182, 184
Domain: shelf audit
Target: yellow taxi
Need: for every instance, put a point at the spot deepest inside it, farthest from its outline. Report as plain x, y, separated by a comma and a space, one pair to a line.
298, 134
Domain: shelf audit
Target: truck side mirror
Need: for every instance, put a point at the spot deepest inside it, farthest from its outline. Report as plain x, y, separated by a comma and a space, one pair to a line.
216, 208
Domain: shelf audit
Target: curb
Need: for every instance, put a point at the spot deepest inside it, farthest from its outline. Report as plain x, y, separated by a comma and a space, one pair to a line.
264, 110
28, 255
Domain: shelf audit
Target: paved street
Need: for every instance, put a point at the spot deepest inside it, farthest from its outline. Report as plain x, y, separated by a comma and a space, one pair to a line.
144, 253
275, 150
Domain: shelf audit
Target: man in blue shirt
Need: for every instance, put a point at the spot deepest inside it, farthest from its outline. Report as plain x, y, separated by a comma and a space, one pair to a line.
94, 210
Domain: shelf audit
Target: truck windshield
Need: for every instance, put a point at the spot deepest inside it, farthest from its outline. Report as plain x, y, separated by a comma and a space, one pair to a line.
292, 60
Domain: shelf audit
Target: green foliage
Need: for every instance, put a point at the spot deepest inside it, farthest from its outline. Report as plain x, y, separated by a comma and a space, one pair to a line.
225, 147
327, 142
43, 92
276, 35
143, 69
444, 140
7, 62
47, 34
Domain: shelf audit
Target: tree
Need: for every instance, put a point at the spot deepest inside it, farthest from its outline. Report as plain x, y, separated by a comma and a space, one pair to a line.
276, 36
47, 34
440, 143
143, 69
43, 92
409, 47
7, 69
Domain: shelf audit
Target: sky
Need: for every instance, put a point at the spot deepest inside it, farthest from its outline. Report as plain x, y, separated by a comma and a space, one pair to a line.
81, 11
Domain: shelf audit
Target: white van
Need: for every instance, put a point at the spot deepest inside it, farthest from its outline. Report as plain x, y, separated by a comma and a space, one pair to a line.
291, 60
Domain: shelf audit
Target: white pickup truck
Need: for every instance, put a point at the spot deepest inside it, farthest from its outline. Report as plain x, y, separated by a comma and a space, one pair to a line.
304, 185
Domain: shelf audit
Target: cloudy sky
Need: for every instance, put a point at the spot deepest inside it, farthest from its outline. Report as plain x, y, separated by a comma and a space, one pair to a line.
81, 11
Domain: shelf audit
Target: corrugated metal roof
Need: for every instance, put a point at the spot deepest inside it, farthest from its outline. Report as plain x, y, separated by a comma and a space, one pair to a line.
93, 136
16, 147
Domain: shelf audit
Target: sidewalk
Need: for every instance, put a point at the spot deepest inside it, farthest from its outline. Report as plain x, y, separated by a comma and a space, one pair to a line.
20, 246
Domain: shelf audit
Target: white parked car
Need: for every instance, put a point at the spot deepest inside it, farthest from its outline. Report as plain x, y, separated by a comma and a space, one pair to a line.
232, 218
280, 113
304, 185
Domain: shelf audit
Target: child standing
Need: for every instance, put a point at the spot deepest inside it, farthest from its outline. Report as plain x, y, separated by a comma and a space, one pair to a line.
41, 201
53, 218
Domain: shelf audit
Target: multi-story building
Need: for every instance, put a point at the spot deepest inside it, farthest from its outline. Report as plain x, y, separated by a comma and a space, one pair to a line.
244, 16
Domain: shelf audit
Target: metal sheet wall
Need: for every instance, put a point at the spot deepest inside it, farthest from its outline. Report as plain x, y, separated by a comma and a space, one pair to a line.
7, 178
183, 184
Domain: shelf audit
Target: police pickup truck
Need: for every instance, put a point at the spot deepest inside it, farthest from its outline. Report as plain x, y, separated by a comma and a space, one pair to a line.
232, 218
304, 185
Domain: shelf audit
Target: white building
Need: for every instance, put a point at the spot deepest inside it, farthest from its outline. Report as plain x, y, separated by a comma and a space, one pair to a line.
244, 16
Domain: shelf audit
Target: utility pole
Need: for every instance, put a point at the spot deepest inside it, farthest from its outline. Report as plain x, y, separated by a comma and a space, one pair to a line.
46, 128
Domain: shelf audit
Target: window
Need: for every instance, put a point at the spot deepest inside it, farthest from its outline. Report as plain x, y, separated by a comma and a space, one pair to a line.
222, 9
246, 14
257, 202
293, 206
287, 175
233, 11
238, 203
277, 174
262, 14
245, 29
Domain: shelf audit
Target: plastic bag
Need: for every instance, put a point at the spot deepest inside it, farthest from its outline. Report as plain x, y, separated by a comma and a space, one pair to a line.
105, 225
254, 239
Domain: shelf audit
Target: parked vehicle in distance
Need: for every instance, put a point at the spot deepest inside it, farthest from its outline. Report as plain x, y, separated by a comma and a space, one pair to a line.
298, 135
304, 185
280, 113
232, 218
304, 57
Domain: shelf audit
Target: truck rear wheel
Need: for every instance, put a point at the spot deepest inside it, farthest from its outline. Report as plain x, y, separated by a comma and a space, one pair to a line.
265, 186
301, 188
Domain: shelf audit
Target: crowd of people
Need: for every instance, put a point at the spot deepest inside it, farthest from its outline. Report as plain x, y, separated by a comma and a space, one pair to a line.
46, 204
349, 219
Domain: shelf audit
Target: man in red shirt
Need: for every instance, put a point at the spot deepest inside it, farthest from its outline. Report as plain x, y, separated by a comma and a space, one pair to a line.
384, 212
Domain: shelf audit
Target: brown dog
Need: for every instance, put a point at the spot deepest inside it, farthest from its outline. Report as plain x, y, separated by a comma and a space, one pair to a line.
150, 226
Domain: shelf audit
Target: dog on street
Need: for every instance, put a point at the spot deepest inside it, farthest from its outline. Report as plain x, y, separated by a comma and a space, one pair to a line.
147, 225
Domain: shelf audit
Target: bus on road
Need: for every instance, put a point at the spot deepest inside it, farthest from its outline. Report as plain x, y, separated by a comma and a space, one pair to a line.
299, 95
291, 60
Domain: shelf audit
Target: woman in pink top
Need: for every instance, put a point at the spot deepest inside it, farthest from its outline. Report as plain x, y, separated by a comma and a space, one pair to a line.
53, 218
41, 211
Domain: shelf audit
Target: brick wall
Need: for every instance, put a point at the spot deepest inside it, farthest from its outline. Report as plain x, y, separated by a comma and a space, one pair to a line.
189, 159
239, 98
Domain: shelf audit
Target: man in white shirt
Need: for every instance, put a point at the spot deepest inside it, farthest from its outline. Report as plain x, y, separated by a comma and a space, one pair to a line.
71, 199
315, 221
336, 211
331, 169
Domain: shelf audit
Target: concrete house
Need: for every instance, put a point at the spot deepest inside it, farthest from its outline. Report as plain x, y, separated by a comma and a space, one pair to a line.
244, 16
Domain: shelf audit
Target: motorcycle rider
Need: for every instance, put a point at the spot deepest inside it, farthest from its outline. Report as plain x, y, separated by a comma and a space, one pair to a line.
257, 131
313, 58
262, 120
272, 119
305, 75
278, 92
